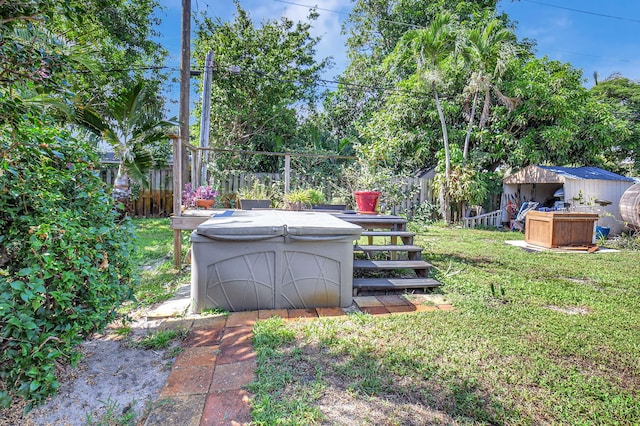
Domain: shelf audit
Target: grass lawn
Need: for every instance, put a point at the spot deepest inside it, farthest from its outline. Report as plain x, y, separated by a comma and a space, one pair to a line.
158, 279
535, 338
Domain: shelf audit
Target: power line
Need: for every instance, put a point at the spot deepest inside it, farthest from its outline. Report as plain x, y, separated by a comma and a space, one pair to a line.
604, 15
335, 84
388, 21
311, 7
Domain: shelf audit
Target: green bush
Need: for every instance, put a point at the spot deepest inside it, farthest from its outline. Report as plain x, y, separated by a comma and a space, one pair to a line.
66, 262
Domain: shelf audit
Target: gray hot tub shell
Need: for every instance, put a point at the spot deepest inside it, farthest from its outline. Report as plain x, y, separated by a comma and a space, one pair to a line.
272, 259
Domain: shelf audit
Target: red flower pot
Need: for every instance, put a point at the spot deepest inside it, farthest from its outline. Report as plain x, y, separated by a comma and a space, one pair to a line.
367, 201
207, 204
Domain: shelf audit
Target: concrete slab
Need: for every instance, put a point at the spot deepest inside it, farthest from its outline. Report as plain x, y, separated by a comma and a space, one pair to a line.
175, 307
531, 247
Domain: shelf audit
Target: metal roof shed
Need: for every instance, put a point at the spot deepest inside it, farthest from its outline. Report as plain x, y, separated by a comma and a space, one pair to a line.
582, 189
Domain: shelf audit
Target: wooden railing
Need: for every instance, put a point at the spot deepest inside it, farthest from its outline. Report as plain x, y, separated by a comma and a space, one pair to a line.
493, 219
156, 200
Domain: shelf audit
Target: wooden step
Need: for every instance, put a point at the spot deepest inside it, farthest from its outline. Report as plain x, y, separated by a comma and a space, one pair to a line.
402, 234
407, 248
391, 264
374, 219
394, 283
394, 223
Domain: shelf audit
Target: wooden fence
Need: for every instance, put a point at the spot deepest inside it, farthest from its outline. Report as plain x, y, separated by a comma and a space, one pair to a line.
153, 201
157, 199
237, 182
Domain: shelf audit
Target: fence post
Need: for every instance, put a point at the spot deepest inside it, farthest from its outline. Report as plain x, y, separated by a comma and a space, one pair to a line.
287, 173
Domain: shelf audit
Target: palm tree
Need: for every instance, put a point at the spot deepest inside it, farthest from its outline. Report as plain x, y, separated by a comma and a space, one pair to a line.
131, 126
488, 49
430, 47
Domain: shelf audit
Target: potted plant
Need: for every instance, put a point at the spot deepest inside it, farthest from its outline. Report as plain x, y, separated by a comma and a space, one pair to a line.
316, 197
297, 200
254, 196
205, 196
188, 196
368, 194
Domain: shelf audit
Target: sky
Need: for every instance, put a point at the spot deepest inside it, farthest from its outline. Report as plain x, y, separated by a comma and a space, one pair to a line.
594, 35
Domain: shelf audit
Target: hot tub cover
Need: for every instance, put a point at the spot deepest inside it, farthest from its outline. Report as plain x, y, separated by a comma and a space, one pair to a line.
272, 259
263, 224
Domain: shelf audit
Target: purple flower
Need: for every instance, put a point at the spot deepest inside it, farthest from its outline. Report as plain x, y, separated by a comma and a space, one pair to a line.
206, 193
189, 195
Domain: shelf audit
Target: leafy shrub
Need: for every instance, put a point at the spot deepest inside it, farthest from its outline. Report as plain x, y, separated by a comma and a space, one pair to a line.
66, 264
303, 198
625, 241
426, 212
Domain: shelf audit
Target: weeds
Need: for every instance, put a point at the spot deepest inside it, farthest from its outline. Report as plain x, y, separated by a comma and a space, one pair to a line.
123, 331
113, 415
630, 241
160, 339
214, 311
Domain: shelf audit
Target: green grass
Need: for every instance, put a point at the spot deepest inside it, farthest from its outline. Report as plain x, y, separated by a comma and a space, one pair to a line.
159, 279
535, 338
159, 339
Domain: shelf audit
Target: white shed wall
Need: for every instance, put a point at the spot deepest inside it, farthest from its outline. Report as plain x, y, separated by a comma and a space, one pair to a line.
593, 189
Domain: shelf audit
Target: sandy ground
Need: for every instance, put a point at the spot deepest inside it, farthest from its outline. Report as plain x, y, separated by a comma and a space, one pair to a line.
110, 380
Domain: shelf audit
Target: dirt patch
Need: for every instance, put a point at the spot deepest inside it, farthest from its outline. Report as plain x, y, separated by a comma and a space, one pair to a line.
570, 310
343, 408
113, 380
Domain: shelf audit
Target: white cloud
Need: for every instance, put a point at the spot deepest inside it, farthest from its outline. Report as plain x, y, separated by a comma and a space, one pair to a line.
327, 26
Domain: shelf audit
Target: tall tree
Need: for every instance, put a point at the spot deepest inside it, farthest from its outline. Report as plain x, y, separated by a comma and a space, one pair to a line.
623, 96
487, 50
121, 35
263, 77
48, 46
557, 122
374, 28
430, 48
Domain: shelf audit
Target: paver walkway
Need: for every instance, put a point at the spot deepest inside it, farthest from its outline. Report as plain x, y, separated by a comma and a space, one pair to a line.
205, 386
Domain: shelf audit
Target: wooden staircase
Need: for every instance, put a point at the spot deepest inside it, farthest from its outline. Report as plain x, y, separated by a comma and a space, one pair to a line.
398, 254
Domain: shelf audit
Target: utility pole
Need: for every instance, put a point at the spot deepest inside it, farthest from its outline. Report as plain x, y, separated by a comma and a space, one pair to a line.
203, 156
185, 87
180, 152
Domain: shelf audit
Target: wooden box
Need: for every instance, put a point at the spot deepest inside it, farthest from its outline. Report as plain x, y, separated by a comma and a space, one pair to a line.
557, 229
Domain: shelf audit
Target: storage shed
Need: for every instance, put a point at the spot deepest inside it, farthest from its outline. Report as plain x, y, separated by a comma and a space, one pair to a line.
579, 189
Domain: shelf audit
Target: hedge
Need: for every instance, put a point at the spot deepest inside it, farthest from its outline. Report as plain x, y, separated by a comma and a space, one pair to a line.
66, 260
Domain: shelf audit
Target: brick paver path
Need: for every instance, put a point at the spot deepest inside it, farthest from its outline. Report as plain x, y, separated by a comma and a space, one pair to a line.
207, 380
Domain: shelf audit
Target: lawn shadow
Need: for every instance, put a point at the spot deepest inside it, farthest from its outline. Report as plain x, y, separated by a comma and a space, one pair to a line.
368, 385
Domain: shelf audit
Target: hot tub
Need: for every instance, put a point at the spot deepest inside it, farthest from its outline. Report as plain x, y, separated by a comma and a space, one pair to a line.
272, 259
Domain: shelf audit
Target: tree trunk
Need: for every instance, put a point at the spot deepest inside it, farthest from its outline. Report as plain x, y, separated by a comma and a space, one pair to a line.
444, 190
122, 189
467, 138
485, 108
